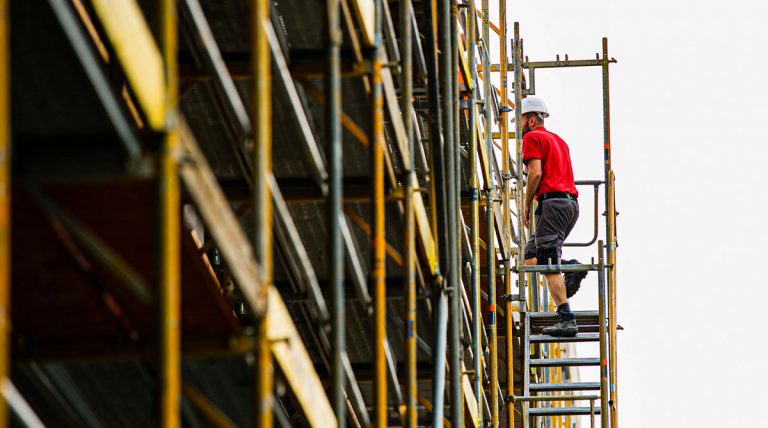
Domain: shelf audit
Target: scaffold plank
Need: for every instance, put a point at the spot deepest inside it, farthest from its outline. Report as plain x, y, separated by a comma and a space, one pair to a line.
285, 342
464, 64
422, 219
425, 233
469, 397
366, 18
132, 40
297, 366
214, 208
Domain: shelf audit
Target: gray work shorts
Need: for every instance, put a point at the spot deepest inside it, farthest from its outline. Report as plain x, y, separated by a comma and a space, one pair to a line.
555, 219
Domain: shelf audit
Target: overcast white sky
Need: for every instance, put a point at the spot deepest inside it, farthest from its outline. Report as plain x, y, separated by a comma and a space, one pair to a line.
689, 101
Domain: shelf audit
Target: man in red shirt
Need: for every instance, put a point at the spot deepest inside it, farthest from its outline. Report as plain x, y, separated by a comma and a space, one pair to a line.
550, 182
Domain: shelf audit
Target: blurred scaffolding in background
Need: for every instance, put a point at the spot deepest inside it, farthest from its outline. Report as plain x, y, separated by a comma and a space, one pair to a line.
299, 213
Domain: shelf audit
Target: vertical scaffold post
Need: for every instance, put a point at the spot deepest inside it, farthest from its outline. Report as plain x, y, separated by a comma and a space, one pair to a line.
474, 209
335, 250
519, 187
489, 189
604, 416
504, 134
168, 234
5, 206
447, 74
377, 223
457, 350
610, 205
409, 234
438, 189
261, 159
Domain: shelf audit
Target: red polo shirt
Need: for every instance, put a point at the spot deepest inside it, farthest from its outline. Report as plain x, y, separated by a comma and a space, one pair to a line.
557, 171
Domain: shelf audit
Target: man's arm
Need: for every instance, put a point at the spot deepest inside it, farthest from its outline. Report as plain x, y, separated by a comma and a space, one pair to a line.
534, 178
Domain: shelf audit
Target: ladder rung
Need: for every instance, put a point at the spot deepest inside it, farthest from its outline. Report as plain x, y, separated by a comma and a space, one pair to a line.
581, 337
572, 386
556, 268
552, 316
583, 328
561, 411
564, 362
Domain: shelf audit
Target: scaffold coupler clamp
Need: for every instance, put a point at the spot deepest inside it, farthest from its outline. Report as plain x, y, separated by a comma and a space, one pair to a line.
510, 297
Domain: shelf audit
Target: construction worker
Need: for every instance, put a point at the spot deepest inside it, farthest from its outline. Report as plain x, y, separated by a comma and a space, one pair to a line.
550, 182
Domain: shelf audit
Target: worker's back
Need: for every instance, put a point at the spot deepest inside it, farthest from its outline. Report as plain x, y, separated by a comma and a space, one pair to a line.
557, 171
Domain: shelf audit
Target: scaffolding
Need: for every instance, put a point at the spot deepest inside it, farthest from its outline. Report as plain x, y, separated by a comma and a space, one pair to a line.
291, 214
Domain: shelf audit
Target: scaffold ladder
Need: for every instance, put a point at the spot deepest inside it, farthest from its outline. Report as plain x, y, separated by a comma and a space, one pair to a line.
592, 328
544, 400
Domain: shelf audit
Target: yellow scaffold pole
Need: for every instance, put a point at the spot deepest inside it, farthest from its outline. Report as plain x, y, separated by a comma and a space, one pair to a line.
474, 210
169, 234
261, 160
378, 242
610, 204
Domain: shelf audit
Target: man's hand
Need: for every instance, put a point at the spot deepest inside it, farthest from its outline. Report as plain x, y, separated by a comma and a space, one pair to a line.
534, 178
525, 215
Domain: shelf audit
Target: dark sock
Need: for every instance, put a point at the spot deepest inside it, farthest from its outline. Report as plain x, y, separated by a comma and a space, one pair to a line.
565, 313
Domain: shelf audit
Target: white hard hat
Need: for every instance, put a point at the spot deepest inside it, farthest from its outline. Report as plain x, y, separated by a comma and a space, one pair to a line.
533, 105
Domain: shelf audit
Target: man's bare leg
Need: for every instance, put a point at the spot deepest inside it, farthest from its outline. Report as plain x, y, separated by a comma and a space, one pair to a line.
555, 283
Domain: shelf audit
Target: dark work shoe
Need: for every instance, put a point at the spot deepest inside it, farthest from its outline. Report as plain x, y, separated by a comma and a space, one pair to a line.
572, 279
563, 328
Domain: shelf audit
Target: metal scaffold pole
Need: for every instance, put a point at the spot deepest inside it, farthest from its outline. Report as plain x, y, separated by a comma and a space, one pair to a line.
474, 209
335, 249
409, 234
447, 75
610, 204
490, 204
604, 419
261, 159
378, 243
169, 234
5, 207
438, 188
519, 187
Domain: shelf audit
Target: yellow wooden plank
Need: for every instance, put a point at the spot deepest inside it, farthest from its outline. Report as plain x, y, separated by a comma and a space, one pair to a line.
285, 343
201, 183
295, 363
425, 233
484, 160
138, 54
464, 69
393, 106
480, 135
469, 396
422, 219
364, 9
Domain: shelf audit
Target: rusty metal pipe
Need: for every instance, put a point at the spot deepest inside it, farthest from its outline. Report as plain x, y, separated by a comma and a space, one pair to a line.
610, 224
